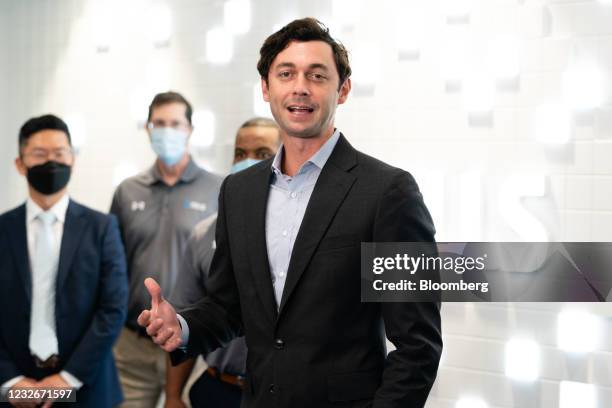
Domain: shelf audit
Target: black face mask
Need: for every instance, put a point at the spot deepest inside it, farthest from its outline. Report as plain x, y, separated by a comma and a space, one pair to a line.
49, 178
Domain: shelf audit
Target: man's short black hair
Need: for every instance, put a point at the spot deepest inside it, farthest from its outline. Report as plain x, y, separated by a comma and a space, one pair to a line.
260, 121
44, 122
302, 30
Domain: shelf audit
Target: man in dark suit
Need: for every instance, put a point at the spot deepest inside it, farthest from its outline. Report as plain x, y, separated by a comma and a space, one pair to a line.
286, 271
63, 281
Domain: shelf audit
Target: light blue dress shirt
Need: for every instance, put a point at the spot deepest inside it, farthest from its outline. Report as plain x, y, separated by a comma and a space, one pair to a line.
287, 202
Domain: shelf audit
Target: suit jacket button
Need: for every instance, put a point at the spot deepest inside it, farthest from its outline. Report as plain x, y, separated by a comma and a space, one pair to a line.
272, 388
279, 344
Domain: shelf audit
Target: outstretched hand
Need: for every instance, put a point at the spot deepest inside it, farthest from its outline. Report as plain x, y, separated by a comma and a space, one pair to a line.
160, 321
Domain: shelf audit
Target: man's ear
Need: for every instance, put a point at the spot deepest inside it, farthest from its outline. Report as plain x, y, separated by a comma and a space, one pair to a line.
21, 168
264, 90
344, 91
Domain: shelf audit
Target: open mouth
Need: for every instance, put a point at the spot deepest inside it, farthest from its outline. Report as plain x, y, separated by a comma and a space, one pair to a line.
300, 109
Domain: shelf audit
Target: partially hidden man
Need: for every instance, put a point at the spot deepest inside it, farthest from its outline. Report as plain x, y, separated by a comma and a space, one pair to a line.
217, 382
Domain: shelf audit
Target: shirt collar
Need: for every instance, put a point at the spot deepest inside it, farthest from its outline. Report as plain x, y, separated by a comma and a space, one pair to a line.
59, 209
189, 174
318, 159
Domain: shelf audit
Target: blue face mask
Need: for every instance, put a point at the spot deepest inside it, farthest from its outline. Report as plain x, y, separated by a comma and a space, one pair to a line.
242, 165
169, 144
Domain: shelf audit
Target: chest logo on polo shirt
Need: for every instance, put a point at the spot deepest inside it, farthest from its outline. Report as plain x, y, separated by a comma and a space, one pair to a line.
194, 205
138, 205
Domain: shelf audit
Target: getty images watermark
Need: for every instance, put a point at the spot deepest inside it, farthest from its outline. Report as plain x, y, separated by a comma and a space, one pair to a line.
486, 271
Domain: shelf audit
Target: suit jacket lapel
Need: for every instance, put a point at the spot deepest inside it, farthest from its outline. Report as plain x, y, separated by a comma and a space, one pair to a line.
331, 188
20, 250
255, 221
74, 226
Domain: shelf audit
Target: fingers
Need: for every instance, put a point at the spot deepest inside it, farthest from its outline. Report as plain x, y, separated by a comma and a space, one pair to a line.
159, 332
23, 404
154, 327
145, 318
24, 383
155, 292
163, 336
172, 344
47, 404
168, 339
160, 322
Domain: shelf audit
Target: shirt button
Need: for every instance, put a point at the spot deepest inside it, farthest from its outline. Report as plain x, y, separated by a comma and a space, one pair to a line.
293, 195
281, 273
272, 388
279, 344
285, 233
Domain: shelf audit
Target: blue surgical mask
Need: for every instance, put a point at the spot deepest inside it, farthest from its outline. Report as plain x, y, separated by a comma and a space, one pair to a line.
169, 144
242, 165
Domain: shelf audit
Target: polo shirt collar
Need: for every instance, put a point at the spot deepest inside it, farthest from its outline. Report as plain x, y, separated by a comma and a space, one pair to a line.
153, 175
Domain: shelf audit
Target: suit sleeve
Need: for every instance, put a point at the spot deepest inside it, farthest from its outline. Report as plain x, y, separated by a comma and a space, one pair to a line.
115, 210
111, 309
8, 369
414, 328
216, 319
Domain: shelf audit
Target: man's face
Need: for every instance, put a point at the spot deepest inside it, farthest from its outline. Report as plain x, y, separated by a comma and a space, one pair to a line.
43, 146
170, 115
256, 142
303, 90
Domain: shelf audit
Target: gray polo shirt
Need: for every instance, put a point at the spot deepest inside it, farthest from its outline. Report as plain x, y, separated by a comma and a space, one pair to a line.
191, 287
156, 221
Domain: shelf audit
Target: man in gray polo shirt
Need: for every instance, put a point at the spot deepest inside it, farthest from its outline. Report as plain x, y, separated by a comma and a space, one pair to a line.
157, 210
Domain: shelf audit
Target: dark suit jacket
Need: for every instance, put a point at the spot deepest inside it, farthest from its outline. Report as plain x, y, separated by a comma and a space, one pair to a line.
91, 302
323, 347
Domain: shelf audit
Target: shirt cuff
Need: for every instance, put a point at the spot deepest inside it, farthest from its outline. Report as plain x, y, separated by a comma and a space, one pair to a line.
184, 332
4, 388
71, 379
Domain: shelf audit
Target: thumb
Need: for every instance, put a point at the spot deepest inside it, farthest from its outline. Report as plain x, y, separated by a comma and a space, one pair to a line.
155, 292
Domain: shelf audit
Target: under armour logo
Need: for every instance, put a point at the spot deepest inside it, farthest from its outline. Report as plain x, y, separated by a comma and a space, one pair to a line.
194, 205
138, 205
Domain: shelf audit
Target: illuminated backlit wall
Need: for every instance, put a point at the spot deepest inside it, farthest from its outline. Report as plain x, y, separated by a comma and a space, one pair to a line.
502, 110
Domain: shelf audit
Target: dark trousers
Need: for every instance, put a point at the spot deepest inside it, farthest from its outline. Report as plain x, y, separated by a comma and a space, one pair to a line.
210, 392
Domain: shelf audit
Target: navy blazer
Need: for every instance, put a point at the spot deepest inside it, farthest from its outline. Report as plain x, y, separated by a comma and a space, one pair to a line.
91, 302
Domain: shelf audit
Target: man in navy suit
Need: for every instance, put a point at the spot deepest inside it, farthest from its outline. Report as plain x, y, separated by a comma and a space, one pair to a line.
63, 280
